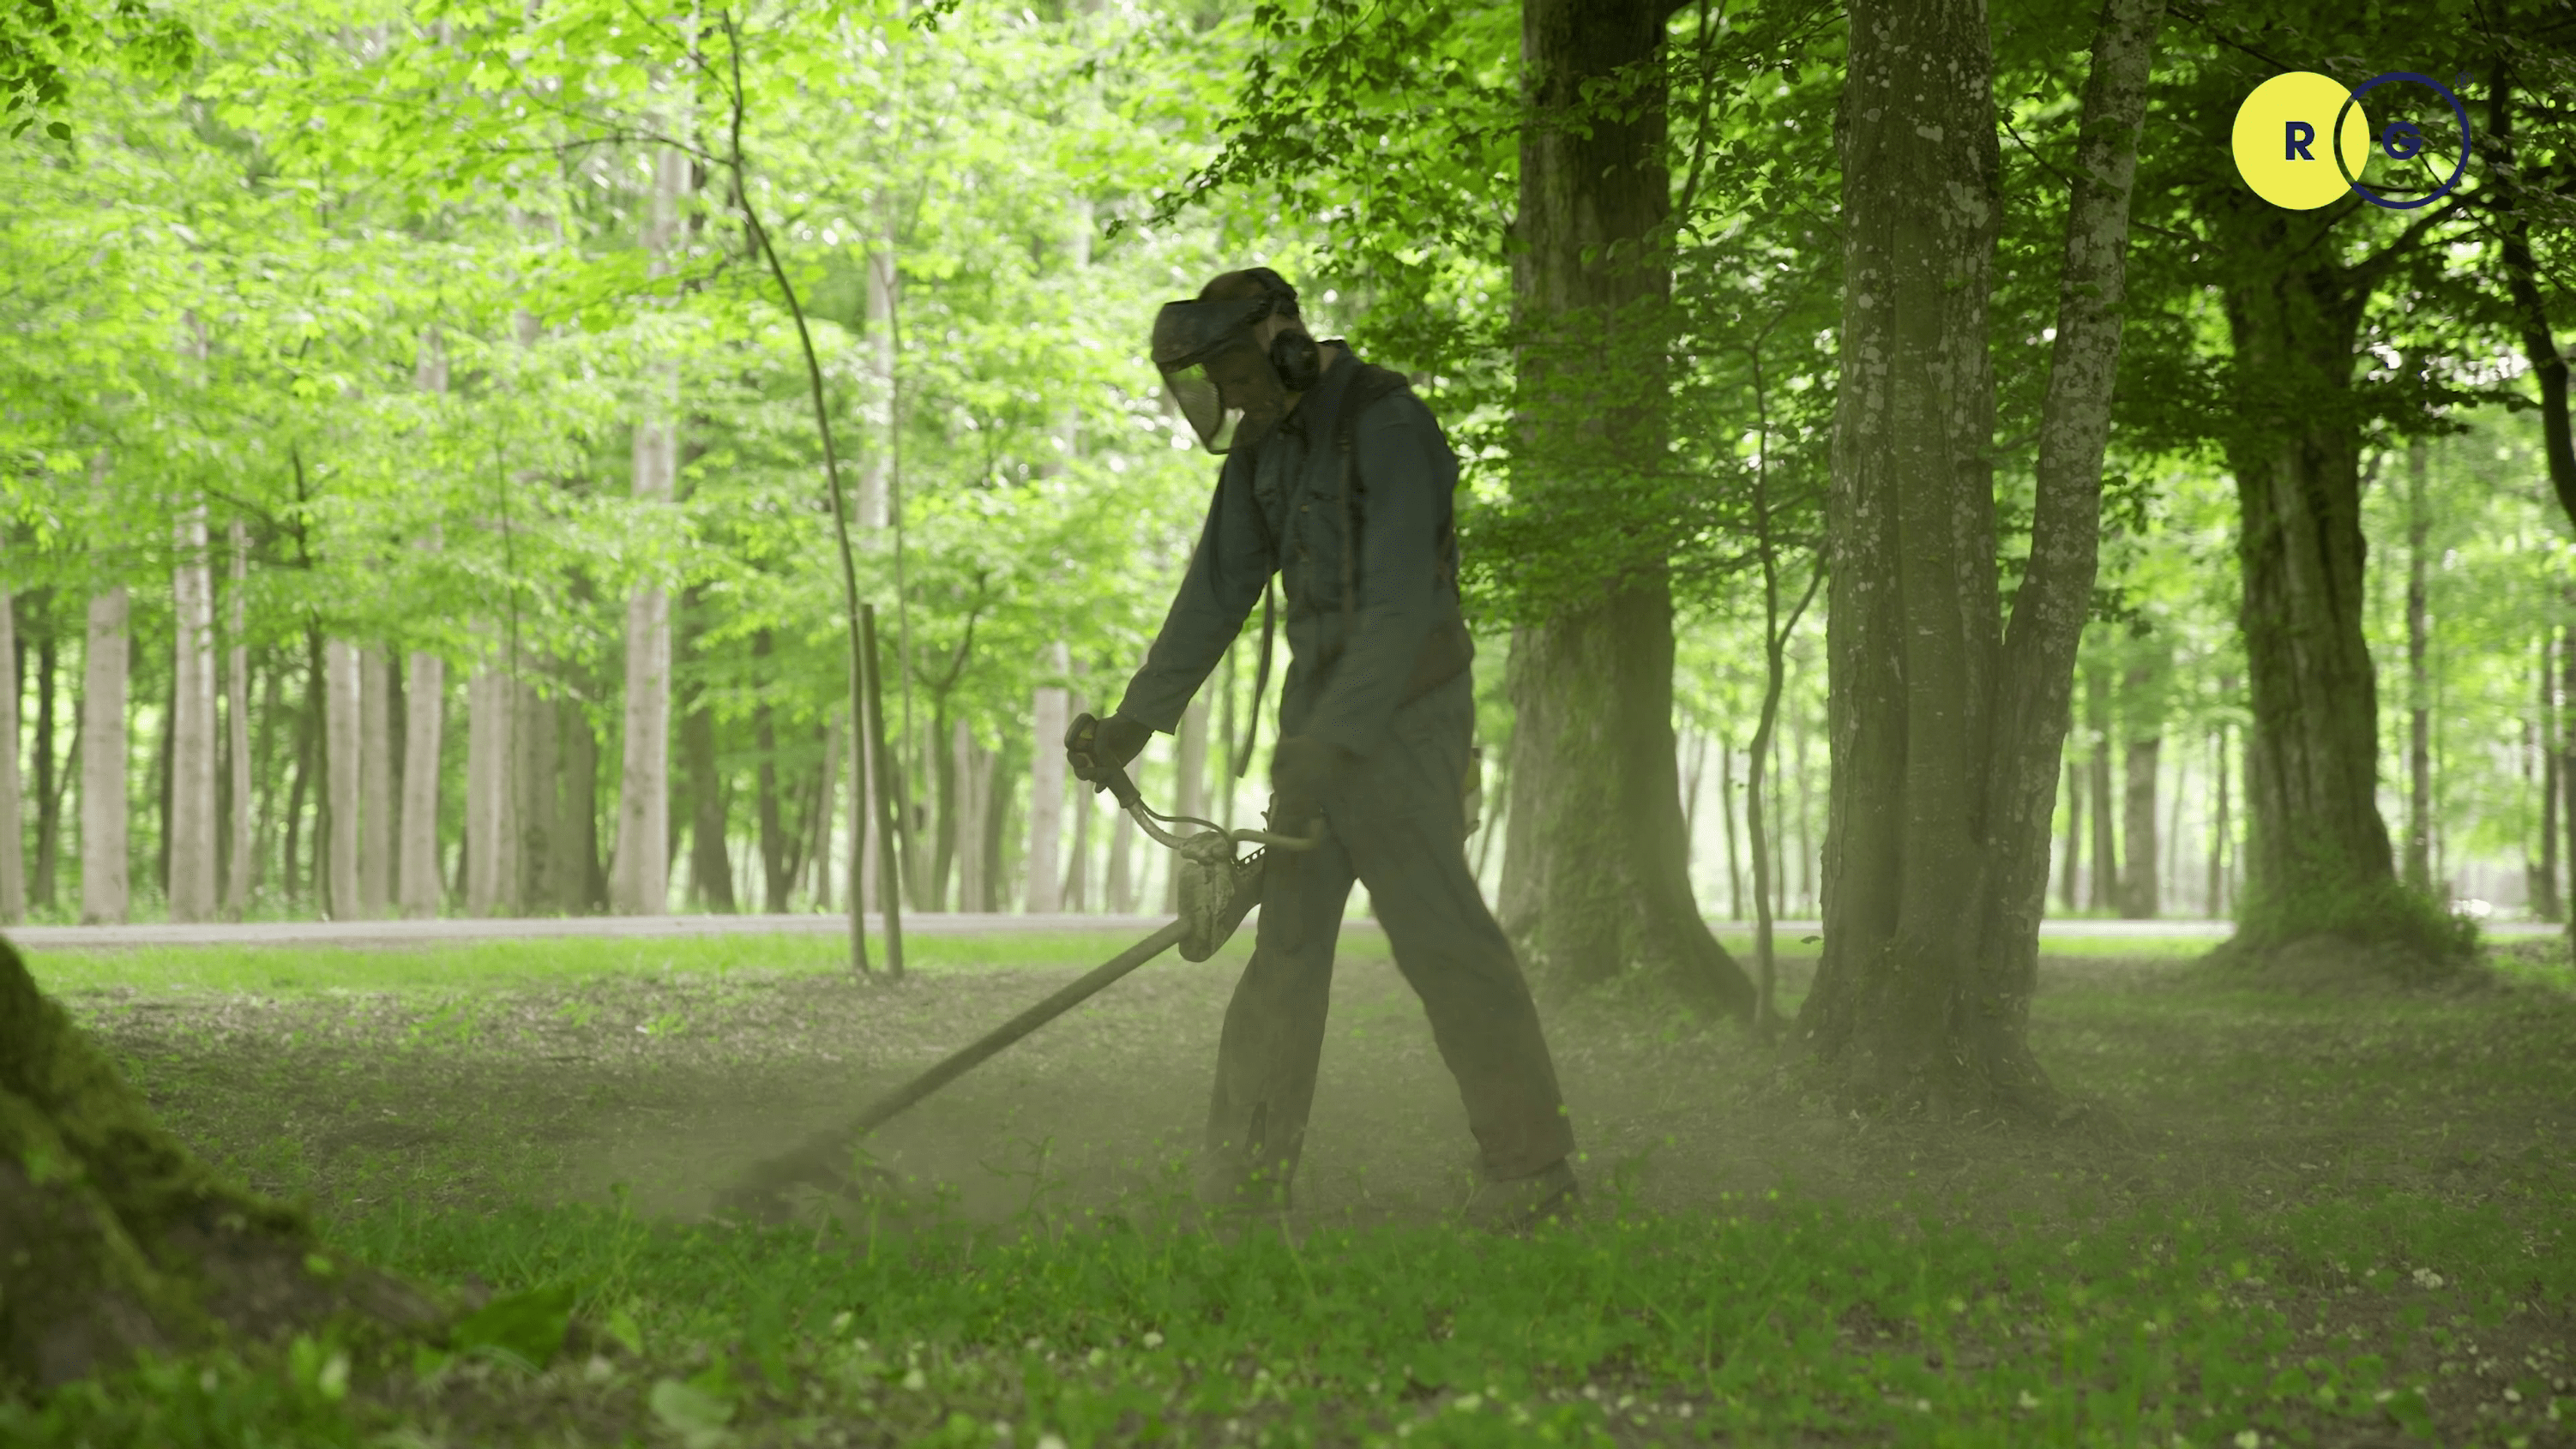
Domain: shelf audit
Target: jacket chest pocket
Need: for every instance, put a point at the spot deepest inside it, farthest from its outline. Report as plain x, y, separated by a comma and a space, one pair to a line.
1308, 530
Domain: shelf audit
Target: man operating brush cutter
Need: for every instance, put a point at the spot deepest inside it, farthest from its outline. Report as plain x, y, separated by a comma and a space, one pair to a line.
1338, 480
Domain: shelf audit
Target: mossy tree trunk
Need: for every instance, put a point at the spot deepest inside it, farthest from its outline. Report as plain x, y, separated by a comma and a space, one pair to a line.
1947, 727
1596, 862
115, 1239
2318, 860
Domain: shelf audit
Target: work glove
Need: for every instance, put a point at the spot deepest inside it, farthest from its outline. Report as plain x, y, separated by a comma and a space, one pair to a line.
1099, 748
1303, 770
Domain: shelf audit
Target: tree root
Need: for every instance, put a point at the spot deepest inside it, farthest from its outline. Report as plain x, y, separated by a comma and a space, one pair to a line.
116, 1240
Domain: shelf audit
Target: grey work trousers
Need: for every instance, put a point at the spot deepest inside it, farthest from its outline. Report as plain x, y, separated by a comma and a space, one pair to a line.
1396, 820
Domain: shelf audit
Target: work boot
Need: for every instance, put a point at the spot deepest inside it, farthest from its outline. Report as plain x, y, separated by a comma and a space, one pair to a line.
1522, 1203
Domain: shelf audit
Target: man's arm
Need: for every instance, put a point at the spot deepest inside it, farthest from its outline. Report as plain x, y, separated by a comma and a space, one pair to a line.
1233, 560
1406, 475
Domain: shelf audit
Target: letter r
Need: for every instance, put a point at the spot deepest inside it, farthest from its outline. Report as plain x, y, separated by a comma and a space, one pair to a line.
2296, 137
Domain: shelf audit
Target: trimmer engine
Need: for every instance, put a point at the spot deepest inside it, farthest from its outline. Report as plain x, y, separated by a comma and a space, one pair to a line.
1216, 892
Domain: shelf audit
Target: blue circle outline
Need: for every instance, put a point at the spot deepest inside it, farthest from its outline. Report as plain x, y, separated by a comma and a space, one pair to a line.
2374, 83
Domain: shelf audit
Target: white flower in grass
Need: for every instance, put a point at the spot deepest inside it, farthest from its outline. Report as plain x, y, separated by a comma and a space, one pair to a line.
2427, 1278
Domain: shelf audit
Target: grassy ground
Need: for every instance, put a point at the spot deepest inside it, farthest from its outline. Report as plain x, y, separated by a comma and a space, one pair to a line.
2318, 1218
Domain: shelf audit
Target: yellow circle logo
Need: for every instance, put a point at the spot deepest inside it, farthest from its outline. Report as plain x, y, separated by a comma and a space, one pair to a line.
2281, 146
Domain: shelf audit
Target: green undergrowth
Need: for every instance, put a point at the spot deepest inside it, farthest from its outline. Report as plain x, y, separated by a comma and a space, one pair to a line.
2316, 1219
1764, 1320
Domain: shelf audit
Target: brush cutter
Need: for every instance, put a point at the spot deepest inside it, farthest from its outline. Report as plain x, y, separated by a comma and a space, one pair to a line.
1217, 889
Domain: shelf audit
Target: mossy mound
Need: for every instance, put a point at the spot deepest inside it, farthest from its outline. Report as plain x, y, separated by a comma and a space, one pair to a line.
2332, 962
115, 1239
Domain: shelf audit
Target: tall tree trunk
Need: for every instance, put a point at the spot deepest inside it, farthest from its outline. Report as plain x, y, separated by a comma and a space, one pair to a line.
867, 834
1809, 858
875, 491
1595, 879
2216, 893
640, 864
1001, 768
2142, 721
1694, 776
777, 872
2512, 173
424, 703
242, 858
50, 781
1118, 880
2069, 885
273, 717
2419, 689
13, 840
418, 891
1189, 783
1758, 828
1076, 895
2139, 898
1779, 896
1947, 727
161, 792
1694, 750
308, 747
105, 897
2567, 772
1077, 873
1726, 817
536, 778
491, 831
375, 783
192, 724
2180, 787
870, 714
1051, 708
2317, 853
340, 768
581, 885
2546, 903
948, 782
818, 843
710, 868
2106, 821
973, 794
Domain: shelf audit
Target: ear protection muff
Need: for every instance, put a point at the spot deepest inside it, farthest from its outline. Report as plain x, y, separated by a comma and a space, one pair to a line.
1294, 354
1297, 359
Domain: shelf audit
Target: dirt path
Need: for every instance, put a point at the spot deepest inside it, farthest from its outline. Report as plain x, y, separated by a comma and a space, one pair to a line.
414, 933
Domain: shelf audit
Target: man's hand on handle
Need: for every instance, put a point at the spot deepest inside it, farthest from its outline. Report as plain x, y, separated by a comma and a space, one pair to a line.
1098, 750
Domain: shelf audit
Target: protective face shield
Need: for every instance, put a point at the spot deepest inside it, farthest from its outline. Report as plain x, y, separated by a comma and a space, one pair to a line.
1231, 390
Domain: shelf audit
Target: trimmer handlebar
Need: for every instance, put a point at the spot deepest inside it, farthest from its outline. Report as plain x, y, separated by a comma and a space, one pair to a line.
1133, 802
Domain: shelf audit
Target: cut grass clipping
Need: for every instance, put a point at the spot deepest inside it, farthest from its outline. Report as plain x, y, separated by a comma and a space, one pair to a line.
2327, 1221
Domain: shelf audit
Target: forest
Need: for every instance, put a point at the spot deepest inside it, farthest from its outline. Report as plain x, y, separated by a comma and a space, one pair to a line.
376, 500
2029, 683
